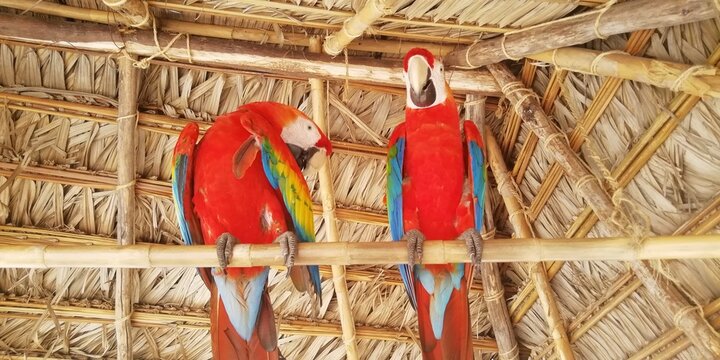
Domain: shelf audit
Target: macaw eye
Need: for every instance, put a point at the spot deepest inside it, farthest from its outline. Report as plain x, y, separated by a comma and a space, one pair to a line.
309, 127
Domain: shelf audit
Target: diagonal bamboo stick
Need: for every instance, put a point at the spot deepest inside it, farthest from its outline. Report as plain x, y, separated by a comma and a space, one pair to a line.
690, 322
148, 316
695, 80
635, 45
578, 29
134, 13
127, 115
355, 26
494, 295
327, 194
522, 229
220, 54
355, 253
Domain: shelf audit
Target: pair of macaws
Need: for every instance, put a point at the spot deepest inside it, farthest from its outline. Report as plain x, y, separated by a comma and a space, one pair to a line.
243, 182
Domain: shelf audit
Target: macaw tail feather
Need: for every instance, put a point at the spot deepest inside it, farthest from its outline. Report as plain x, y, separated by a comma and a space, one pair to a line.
455, 342
227, 344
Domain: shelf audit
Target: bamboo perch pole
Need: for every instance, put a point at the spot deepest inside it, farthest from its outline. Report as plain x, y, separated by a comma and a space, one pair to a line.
12, 235
700, 80
220, 31
619, 18
494, 294
134, 13
689, 321
355, 26
198, 319
143, 256
221, 54
327, 196
538, 274
127, 117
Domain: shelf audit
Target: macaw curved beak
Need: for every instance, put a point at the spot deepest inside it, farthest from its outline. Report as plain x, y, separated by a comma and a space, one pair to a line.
422, 88
314, 156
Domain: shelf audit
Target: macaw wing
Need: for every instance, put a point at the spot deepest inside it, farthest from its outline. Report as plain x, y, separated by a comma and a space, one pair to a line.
182, 189
477, 171
284, 174
394, 198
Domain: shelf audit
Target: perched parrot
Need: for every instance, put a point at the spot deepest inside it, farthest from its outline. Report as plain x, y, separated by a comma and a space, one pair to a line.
242, 183
435, 190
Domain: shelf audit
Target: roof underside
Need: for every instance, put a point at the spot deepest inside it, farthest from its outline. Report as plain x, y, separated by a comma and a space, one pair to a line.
64, 194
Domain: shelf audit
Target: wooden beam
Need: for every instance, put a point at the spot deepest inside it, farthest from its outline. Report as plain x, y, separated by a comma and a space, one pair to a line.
327, 196
221, 54
701, 80
36, 309
134, 13
506, 187
221, 31
355, 26
127, 117
144, 256
578, 29
494, 294
586, 185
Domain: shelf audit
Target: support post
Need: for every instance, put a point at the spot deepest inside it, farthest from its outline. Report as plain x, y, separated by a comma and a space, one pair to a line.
494, 294
327, 195
520, 224
127, 117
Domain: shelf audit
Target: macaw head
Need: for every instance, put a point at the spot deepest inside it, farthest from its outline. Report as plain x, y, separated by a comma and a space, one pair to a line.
308, 144
424, 79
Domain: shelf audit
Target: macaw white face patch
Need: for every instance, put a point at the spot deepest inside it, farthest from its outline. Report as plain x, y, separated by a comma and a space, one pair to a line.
302, 133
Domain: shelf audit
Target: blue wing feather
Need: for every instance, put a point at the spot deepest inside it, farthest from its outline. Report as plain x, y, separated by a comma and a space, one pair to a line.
178, 186
394, 174
478, 173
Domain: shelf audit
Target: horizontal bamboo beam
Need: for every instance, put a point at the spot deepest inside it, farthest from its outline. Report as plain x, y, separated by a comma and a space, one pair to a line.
150, 316
701, 80
220, 54
619, 18
220, 31
355, 253
106, 181
13, 235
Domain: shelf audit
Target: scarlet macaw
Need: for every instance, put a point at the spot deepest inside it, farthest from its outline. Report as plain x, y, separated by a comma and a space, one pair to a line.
243, 184
436, 189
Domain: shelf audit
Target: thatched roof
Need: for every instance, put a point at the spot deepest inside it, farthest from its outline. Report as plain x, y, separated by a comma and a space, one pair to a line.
650, 136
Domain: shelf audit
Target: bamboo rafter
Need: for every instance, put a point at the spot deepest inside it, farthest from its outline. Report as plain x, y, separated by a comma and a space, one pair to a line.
522, 229
150, 316
356, 25
694, 326
11, 235
105, 181
327, 196
143, 256
694, 80
578, 29
635, 45
218, 53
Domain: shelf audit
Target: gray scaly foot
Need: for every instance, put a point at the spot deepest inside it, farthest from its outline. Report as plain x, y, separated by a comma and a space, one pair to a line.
474, 242
415, 240
288, 242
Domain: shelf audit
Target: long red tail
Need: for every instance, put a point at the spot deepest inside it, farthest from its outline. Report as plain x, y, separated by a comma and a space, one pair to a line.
456, 341
227, 343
